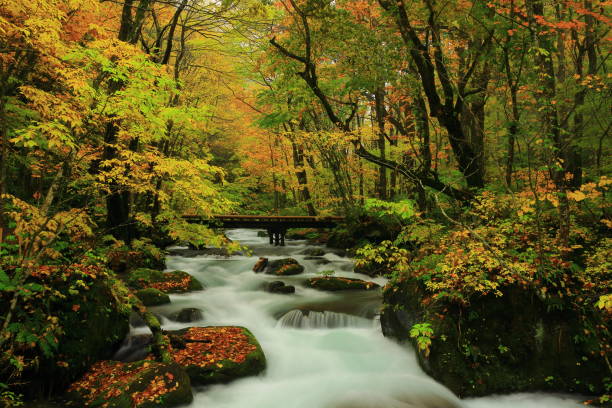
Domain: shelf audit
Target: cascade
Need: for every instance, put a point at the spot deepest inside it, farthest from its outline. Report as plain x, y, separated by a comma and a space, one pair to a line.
324, 349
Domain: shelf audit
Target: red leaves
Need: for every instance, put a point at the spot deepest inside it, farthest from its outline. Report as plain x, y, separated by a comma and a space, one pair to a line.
206, 346
109, 379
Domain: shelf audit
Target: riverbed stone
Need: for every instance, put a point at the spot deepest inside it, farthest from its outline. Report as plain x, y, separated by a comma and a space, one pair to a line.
187, 315
284, 267
260, 265
335, 283
140, 384
217, 354
280, 288
318, 260
167, 282
152, 297
314, 252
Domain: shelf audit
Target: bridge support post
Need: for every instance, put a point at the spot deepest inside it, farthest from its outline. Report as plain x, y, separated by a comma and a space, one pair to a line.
277, 236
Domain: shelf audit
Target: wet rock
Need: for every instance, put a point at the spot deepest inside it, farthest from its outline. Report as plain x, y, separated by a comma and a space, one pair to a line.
260, 265
318, 260
135, 347
187, 315
335, 283
218, 354
313, 252
280, 287
152, 297
168, 282
371, 269
512, 343
284, 267
140, 384
262, 234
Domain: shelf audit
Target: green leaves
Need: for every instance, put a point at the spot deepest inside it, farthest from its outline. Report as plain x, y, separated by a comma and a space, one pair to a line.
422, 333
404, 210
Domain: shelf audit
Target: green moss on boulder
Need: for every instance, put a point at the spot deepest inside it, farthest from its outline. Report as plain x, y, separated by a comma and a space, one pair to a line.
92, 323
152, 297
167, 282
217, 354
284, 267
335, 283
141, 384
314, 252
498, 345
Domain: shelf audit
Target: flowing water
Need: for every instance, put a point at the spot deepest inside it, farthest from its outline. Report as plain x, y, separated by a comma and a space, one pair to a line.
323, 349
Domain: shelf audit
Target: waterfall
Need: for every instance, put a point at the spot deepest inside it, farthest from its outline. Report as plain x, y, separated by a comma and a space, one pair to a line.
305, 319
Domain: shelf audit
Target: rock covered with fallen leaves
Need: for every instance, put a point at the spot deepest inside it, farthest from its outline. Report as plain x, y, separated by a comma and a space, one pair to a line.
167, 282
217, 354
284, 267
141, 384
334, 283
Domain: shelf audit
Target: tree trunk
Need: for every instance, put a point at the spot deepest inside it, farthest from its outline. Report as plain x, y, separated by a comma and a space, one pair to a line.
379, 99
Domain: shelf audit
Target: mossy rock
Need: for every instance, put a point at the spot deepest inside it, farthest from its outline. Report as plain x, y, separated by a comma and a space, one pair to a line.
371, 269
152, 297
498, 345
93, 323
313, 252
218, 354
141, 384
284, 267
335, 283
167, 282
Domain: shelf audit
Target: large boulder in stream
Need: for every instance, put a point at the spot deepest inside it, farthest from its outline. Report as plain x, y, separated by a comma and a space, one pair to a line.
217, 354
284, 267
335, 283
141, 384
167, 282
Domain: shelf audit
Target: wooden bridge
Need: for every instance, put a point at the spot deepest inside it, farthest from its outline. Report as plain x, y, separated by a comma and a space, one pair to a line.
276, 225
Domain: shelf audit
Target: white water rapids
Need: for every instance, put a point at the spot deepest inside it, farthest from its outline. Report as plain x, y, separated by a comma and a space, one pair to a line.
315, 359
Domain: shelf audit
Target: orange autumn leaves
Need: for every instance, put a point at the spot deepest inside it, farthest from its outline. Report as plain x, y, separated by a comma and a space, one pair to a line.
107, 380
175, 282
208, 346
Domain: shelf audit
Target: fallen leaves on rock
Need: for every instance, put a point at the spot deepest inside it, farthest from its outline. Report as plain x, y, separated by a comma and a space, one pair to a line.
208, 346
109, 379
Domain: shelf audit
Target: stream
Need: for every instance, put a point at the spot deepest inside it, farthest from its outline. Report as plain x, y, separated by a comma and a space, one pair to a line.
333, 356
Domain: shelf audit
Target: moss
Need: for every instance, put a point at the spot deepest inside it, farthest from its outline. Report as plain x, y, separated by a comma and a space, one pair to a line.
284, 267
512, 343
228, 353
141, 384
313, 252
168, 282
94, 326
334, 283
152, 297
